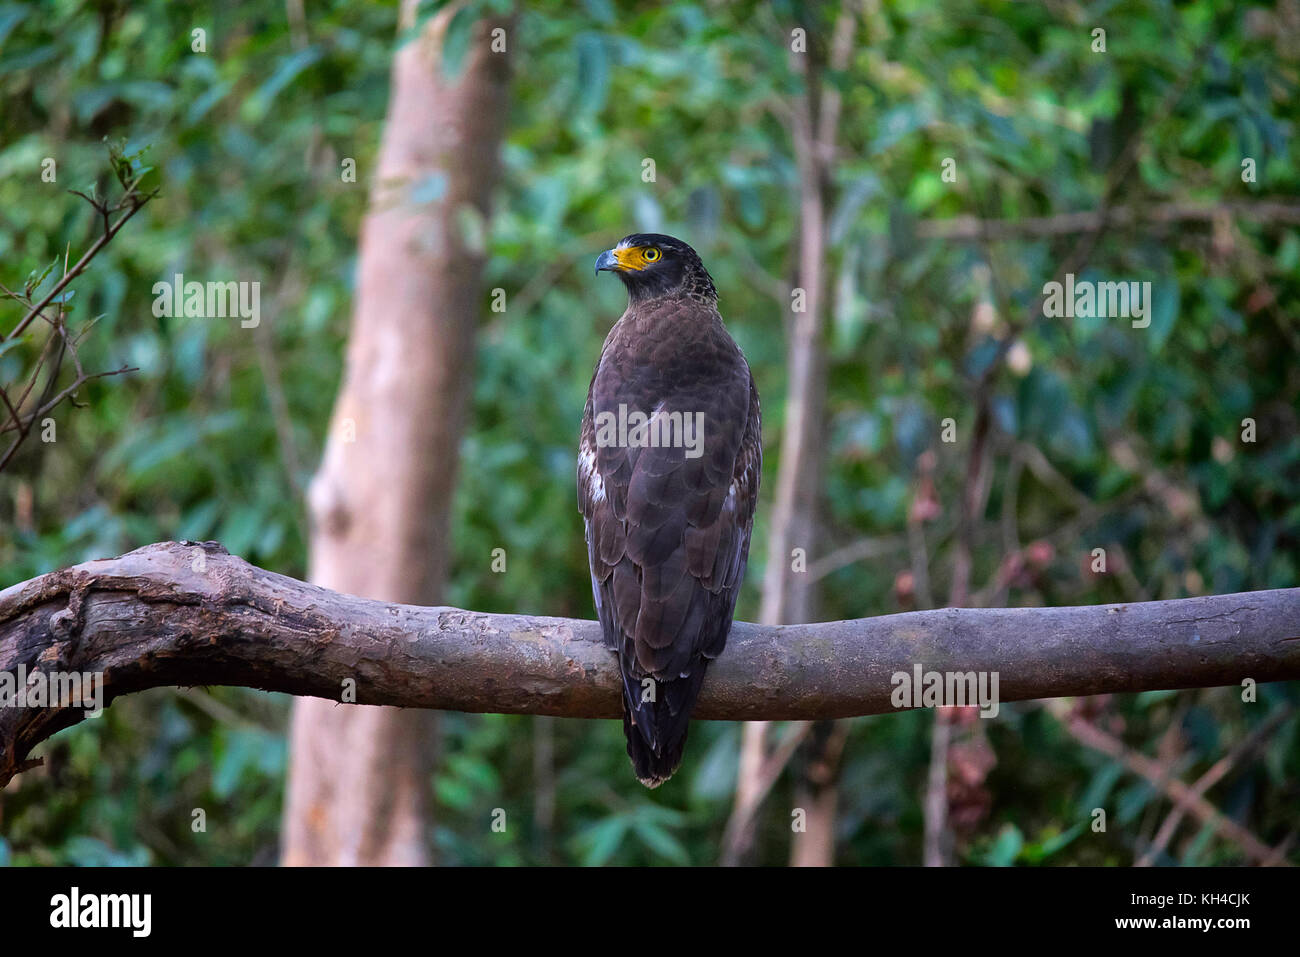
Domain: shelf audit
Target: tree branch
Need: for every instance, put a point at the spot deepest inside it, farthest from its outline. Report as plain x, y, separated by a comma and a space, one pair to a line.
1184, 797
184, 614
1268, 212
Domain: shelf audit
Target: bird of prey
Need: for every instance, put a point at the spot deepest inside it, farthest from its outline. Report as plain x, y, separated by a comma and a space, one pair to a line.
668, 472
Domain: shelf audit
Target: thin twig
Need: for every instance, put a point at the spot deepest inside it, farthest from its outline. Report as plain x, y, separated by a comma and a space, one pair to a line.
1210, 778
1174, 788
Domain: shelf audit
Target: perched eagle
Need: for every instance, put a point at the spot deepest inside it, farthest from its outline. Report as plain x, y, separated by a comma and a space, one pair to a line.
668, 472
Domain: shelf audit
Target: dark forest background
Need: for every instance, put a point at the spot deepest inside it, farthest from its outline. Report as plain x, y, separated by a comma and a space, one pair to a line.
1095, 435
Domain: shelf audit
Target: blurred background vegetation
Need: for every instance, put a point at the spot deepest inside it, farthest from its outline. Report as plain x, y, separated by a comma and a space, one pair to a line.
1102, 435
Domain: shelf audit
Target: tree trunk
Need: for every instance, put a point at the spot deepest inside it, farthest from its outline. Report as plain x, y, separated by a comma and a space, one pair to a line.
359, 778
789, 596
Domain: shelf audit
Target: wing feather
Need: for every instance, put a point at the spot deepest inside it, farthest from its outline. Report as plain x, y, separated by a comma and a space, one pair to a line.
668, 531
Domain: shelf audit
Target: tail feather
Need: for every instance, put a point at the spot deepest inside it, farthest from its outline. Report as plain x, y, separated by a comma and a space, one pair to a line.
656, 730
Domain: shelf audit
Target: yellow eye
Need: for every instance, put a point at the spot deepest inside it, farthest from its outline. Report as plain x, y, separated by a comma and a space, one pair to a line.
651, 254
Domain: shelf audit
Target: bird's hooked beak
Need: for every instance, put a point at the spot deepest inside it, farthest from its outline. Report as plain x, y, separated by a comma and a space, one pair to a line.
607, 260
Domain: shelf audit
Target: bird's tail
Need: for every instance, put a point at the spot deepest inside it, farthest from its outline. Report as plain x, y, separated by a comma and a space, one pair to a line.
656, 725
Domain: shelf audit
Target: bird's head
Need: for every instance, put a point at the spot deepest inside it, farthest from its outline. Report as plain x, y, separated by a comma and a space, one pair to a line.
653, 265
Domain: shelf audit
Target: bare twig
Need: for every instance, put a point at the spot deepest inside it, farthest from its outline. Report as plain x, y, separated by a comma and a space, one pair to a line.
60, 344
1156, 773
111, 229
1210, 778
1267, 212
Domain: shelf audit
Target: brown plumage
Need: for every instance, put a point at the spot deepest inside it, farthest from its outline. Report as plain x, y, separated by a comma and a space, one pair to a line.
668, 507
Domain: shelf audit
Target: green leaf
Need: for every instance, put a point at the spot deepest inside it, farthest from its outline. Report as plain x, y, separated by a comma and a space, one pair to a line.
1042, 850
602, 840
661, 842
593, 73
11, 14
257, 105
1165, 300
1007, 847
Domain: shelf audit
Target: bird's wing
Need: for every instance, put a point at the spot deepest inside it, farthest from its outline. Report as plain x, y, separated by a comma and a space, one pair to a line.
667, 531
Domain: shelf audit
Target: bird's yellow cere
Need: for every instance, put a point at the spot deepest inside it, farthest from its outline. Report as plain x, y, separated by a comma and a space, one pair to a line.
636, 258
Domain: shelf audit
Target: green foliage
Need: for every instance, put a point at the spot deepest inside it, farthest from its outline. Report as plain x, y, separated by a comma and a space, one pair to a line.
1137, 431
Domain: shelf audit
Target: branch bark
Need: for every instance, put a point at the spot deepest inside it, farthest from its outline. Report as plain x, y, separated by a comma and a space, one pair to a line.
184, 614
